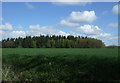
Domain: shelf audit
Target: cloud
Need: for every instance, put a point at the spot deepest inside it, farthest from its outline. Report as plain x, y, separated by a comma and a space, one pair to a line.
77, 18
67, 1
71, 3
105, 35
14, 34
45, 30
89, 30
83, 17
28, 5
108, 38
115, 9
96, 32
36, 30
68, 24
1, 33
113, 25
6, 27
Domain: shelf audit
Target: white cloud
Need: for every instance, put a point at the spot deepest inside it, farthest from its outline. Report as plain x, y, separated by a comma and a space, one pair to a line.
35, 27
71, 3
113, 25
89, 30
34, 30
105, 35
6, 26
1, 33
13, 34
16, 34
115, 9
68, 24
28, 5
77, 18
96, 32
37, 30
82, 17
108, 38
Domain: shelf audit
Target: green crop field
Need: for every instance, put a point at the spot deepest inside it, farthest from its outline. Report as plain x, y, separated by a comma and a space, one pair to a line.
60, 65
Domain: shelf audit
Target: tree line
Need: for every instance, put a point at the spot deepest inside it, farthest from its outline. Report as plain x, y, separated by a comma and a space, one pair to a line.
53, 41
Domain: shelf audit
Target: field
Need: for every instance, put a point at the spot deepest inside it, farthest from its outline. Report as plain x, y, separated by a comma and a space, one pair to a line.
60, 65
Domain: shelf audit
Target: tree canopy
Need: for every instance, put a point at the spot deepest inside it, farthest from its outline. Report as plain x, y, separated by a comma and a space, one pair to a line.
53, 41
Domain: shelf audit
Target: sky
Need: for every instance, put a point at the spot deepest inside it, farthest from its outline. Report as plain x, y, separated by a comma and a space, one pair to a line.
93, 19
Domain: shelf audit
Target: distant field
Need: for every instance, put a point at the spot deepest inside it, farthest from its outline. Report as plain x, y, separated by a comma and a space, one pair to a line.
60, 65
62, 51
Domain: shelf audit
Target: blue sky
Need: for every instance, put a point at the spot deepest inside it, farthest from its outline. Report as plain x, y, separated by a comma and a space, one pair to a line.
97, 19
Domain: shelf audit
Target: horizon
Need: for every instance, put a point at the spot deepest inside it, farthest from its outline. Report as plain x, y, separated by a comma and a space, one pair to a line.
56, 36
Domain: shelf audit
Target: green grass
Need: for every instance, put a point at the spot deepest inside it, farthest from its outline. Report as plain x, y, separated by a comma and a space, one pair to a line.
60, 65
61, 51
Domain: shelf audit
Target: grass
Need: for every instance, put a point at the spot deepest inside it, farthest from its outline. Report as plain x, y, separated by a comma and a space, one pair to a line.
61, 51
60, 65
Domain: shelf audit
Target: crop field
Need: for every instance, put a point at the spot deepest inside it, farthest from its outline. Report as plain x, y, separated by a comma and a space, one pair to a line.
60, 65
